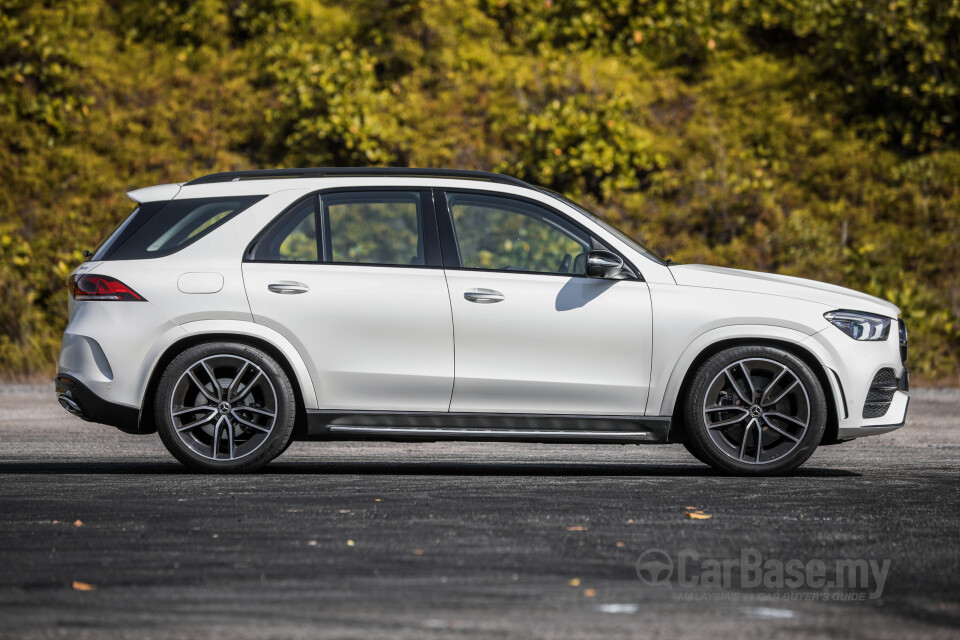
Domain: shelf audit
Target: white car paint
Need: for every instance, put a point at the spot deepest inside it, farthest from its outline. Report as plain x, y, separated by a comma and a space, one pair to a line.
405, 339
551, 346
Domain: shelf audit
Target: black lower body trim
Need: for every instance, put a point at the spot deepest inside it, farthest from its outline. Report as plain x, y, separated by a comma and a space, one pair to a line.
76, 398
423, 425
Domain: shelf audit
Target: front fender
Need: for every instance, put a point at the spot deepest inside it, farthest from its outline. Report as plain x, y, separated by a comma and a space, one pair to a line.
664, 399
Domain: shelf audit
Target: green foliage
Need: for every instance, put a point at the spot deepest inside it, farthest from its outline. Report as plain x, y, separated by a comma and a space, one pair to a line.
808, 137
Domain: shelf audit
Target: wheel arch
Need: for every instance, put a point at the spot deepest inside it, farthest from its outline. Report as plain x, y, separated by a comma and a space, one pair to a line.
291, 364
820, 370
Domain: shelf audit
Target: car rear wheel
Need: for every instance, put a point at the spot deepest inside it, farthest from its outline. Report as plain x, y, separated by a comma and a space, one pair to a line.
225, 407
754, 410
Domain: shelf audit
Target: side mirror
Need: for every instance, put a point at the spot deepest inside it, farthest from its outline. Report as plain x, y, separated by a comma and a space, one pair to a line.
603, 264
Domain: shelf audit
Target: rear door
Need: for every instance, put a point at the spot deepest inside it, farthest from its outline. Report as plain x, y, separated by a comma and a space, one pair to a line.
353, 278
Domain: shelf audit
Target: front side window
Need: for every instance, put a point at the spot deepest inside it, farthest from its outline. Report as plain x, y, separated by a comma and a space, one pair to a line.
378, 227
506, 234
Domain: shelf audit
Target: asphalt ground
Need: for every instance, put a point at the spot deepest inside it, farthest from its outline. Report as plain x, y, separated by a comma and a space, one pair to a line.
104, 535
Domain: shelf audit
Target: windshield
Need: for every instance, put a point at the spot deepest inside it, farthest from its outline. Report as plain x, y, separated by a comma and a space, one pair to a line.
630, 242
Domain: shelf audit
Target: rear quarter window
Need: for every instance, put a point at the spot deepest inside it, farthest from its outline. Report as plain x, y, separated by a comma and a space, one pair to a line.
156, 231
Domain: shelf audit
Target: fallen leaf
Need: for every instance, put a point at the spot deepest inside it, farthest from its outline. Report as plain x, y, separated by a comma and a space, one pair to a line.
78, 523
693, 515
690, 508
589, 593
351, 543
574, 582
377, 500
83, 586
630, 521
620, 545
418, 552
312, 543
577, 528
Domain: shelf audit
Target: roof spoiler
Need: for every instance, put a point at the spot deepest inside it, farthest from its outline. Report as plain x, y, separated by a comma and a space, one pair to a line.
155, 193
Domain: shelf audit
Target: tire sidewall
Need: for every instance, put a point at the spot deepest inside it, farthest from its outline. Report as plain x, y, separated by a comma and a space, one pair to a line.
275, 443
696, 430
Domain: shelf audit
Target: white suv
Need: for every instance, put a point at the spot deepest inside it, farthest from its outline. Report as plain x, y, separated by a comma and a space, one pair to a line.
239, 311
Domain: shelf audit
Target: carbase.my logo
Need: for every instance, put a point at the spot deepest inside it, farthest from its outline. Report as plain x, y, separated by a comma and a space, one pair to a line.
750, 570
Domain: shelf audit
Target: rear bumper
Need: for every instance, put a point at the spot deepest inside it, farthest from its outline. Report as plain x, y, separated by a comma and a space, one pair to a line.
78, 400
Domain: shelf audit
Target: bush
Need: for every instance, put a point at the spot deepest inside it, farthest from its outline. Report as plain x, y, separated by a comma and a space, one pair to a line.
811, 138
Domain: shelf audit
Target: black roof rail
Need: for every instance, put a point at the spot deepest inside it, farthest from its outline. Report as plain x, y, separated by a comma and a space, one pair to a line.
357, 172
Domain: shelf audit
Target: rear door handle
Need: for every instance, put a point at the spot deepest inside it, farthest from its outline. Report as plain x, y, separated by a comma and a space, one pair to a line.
483, 296
288, 287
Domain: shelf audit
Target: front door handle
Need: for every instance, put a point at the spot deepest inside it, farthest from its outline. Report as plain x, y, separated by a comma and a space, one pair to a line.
288, 287
483, 296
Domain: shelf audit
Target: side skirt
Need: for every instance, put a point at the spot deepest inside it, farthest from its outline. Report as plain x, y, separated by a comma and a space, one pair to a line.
495, 427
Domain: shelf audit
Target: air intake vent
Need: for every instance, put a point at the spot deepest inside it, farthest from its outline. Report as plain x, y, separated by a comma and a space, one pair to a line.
880, 395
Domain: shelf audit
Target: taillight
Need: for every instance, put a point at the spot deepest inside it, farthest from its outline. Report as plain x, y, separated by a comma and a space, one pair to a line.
91, 287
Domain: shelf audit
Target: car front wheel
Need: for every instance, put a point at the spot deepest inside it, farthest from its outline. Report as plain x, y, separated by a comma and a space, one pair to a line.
754, 410
225, 407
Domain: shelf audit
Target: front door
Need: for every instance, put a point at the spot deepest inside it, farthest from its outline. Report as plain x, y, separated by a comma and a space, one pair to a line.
533, 334
354, 280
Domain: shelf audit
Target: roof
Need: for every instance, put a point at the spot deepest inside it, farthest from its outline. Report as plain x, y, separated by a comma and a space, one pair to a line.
357, 172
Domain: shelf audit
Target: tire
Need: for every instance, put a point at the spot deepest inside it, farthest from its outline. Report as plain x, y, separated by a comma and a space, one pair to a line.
224, 407
695, 452
754, 411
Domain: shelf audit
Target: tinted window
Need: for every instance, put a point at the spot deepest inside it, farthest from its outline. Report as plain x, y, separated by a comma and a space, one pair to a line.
507, 234
106, 245
294, 238
174, 226
380, 227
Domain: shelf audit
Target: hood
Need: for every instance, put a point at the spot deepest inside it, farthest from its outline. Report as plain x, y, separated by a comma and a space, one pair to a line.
701, 275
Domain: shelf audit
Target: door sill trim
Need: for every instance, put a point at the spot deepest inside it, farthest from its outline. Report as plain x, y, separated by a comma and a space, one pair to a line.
425, 425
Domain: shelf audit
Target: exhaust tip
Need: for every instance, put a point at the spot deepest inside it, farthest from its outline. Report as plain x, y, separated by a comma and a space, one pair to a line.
70, 406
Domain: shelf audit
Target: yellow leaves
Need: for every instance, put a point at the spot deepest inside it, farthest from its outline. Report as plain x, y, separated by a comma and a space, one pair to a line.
351, 543
637, 36
573, 582
696, 514
418, 552
83, 586
693, 513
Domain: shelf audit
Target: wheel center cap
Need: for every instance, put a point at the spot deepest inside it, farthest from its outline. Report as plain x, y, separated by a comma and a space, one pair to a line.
756, 411
224, 407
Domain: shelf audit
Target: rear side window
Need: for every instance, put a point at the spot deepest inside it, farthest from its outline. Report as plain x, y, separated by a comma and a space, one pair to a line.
293, 238
380, 227
156, 231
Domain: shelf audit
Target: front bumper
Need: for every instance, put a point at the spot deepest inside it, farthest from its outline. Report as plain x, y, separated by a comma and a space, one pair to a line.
891, 403
78, 400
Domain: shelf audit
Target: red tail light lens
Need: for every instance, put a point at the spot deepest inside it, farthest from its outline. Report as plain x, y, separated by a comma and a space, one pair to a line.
91, 287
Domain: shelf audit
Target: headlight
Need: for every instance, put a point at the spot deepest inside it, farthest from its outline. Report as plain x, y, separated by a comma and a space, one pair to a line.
859, 325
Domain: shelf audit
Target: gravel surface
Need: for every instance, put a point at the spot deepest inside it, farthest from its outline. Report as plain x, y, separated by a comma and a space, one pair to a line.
468, 540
